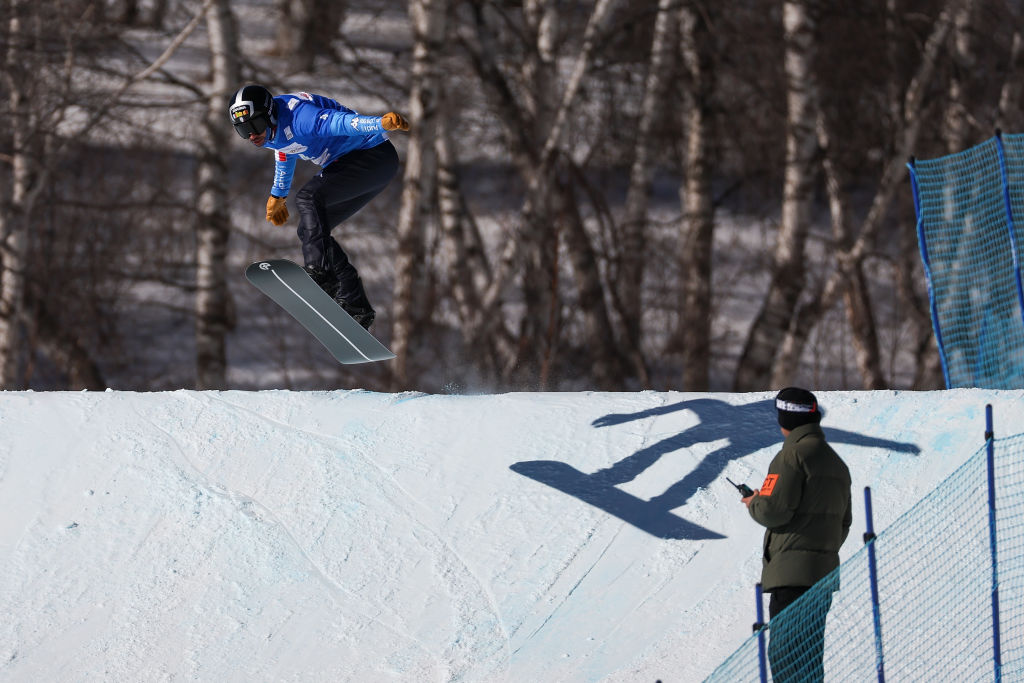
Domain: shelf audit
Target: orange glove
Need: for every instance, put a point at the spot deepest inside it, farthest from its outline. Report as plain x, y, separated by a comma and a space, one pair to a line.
277, 211
393, 121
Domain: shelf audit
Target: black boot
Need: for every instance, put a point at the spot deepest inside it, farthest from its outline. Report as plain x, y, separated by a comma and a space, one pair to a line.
327, 281
351, 296
324, 279
363, 315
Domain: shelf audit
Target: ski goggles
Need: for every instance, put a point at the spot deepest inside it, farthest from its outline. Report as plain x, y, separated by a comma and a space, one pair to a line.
246, 123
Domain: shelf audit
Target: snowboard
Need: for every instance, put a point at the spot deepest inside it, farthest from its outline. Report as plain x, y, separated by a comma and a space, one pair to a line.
291, 288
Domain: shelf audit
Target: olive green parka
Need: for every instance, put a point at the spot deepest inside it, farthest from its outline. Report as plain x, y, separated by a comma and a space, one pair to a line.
805, 505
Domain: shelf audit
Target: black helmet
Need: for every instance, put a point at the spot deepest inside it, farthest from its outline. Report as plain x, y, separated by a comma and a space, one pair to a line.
252, 110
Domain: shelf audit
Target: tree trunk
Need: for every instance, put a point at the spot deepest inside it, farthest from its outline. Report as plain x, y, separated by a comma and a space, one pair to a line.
957, 120
860, 316
859, 311
787, 278
541, 112
63, 347
607, 365
551, 117
486, 337
158, 15
633, 247
908, 109
1008, 117
894, 98
916, 309
13, 221
927, 364
213, 304
306, 29
13, 279
542, 312
35, 102
418, 189
698, 205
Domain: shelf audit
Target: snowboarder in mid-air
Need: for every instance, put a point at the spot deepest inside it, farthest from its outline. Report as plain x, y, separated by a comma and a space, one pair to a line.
358, 162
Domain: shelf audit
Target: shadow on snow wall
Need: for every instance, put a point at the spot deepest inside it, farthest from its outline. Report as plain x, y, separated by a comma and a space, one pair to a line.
749, 428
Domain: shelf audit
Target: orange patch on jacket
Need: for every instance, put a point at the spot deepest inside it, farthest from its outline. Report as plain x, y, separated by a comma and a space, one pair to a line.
769, 484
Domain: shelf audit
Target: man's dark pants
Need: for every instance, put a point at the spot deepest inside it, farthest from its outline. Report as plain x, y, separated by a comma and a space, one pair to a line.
797, 642
340, 190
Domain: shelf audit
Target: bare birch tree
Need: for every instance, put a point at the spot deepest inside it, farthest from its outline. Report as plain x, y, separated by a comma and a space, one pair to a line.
305, 30
535, 108
927, 371
856, 297
51, 49
606, 360
630, 279
549, 288
542, 315
958, 123
486, 339
420, 179
1008, 116
213, 303
18, 77
44, 46
909, 123
788, 268
698, 205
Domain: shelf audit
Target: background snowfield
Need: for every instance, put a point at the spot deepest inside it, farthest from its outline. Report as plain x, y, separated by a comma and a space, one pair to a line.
360, 536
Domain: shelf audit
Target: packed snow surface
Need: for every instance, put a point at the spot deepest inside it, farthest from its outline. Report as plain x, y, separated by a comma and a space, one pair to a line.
359, 536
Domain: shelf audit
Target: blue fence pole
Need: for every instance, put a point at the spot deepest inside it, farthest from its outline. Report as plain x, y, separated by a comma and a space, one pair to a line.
759, 630
869, 539
997, 656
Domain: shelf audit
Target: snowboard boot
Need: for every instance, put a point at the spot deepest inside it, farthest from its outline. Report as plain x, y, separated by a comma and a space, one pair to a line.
363, 315
324, 279
328, 282
351, 296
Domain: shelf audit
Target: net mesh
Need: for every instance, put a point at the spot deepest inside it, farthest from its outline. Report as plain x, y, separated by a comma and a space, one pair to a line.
935, 575
965, 206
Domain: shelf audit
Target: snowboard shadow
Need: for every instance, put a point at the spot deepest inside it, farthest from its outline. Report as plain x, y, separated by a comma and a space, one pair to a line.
749, 428
653, 519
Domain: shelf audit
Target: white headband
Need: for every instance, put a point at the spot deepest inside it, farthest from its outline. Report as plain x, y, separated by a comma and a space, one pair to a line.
795, 407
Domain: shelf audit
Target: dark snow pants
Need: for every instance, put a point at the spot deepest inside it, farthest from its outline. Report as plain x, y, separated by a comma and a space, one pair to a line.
340, 190
797, 644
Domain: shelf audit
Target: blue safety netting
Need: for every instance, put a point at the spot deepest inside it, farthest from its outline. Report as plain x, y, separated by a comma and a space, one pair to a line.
937, 616
966, 207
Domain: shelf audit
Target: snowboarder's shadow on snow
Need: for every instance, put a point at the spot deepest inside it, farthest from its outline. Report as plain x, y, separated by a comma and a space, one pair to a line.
749, 428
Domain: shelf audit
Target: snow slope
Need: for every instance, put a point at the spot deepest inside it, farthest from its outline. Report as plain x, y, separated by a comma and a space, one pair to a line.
358, 536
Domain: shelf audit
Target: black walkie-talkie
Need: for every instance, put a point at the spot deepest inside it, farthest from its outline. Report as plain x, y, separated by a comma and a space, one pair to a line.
745, 490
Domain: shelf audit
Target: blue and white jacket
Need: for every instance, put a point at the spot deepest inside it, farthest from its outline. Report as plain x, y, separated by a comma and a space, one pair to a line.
318, 129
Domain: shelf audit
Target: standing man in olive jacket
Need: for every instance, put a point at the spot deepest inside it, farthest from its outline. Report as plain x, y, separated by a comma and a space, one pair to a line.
804, 503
